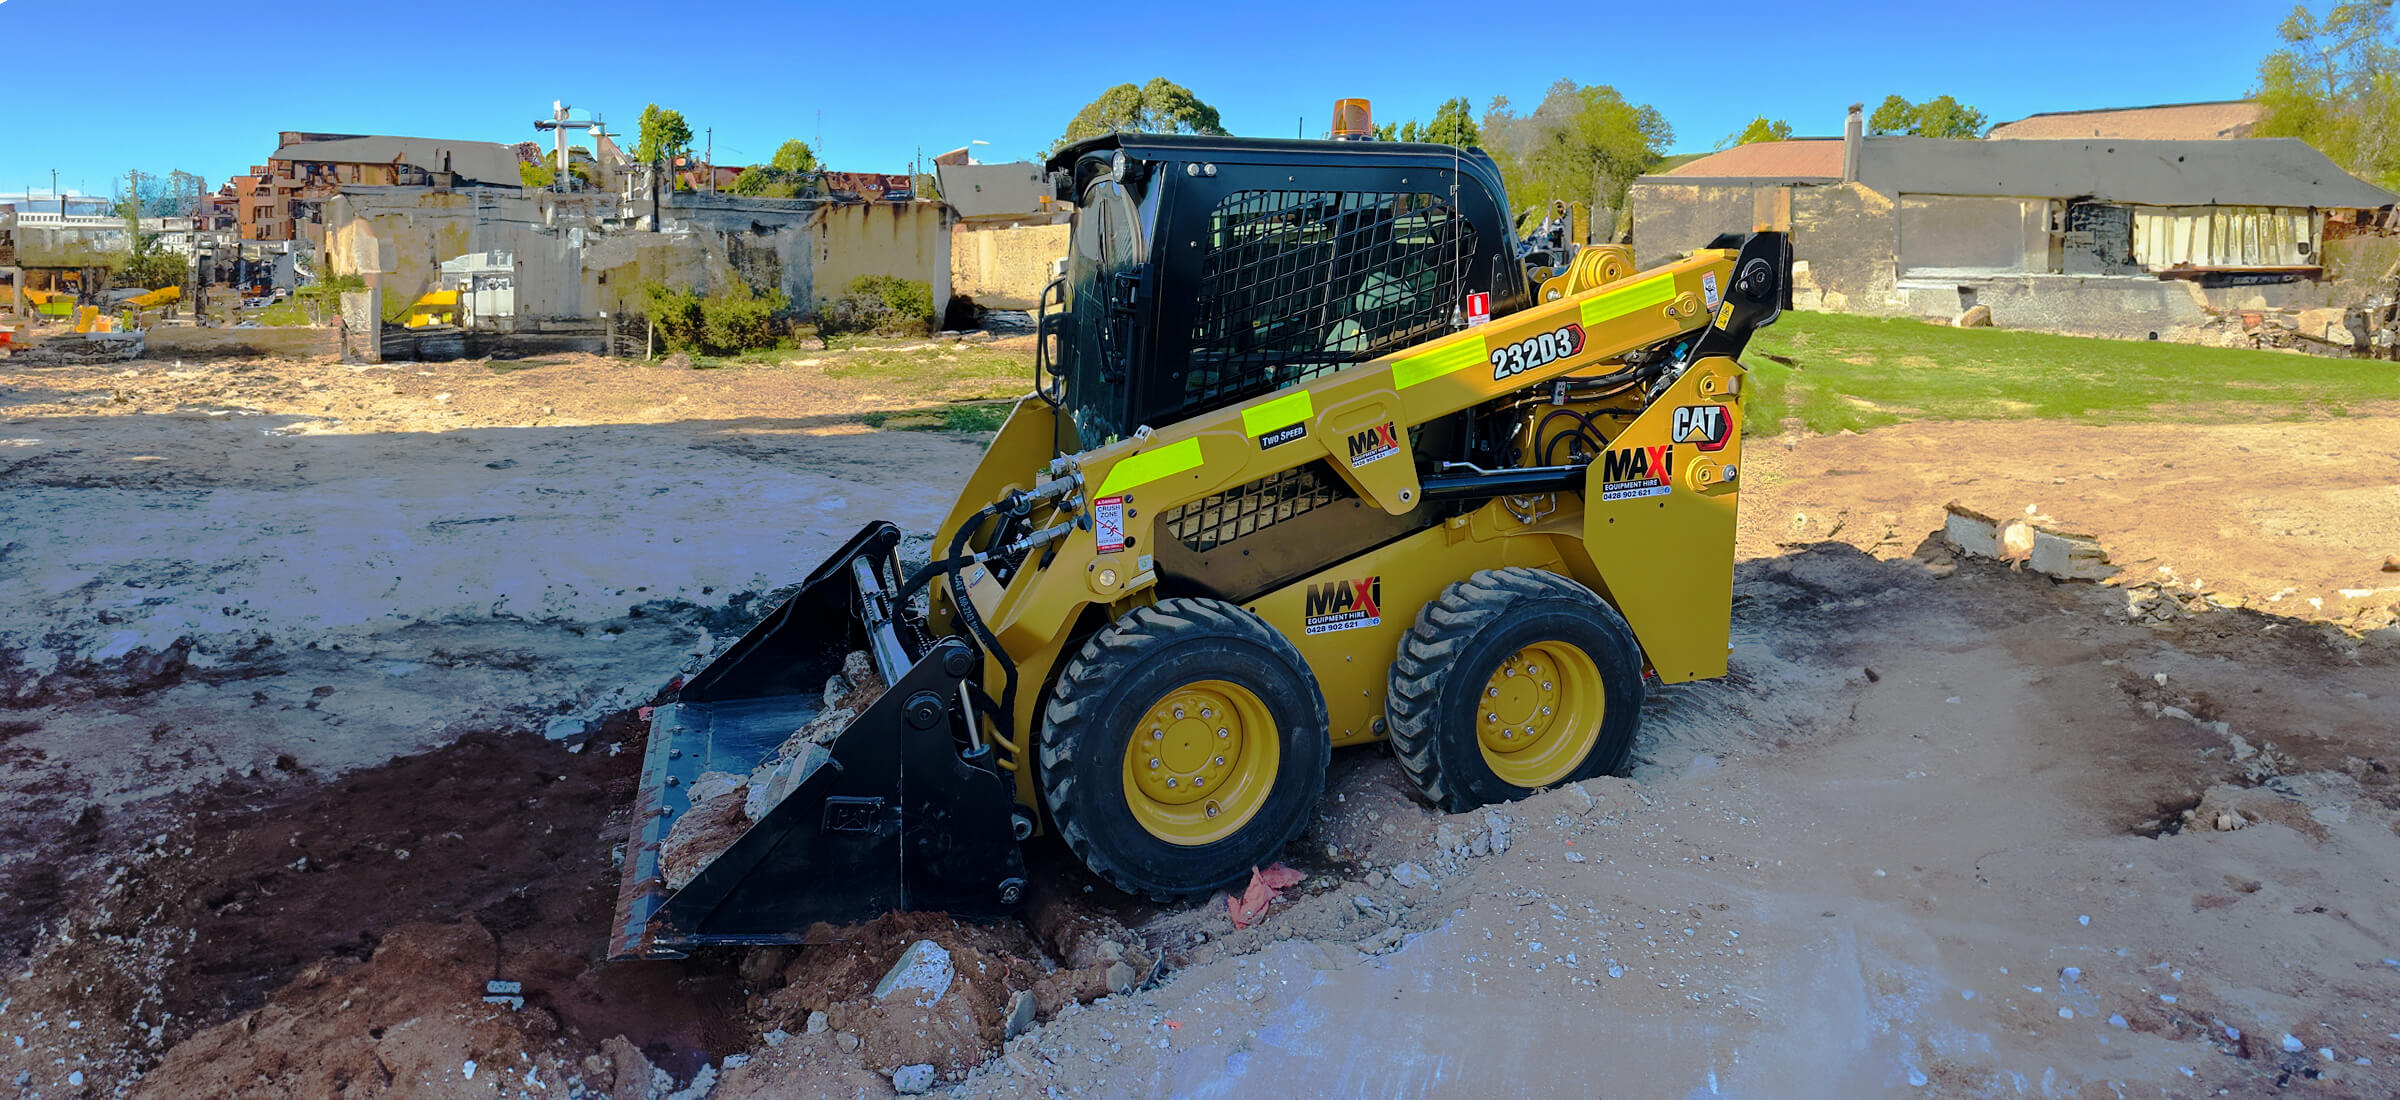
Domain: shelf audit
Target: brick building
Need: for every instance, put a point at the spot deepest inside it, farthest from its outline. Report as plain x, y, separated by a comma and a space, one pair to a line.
283, 199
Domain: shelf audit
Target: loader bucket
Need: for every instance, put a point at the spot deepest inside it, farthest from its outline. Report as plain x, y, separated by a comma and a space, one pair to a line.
895, 813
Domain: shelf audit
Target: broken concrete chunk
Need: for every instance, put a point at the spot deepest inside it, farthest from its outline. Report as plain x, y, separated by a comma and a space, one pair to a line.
912, 1080
923, 974
1411, 875
714, 784
1579, 799
1497, 826
2069, 557
1971, 531
858, 667
1020, 1014
817, 1024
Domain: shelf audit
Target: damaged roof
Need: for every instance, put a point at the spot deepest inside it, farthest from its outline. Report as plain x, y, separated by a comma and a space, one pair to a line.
2248, 172
480, 161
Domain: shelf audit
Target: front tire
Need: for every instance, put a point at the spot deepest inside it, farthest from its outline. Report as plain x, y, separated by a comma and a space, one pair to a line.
1184, 744
1514, 680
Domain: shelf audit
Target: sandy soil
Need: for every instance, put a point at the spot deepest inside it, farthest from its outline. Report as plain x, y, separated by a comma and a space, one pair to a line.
314, 717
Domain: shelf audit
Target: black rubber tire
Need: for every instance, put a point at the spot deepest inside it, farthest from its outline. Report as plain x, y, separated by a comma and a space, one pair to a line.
1118, 675
1451, 652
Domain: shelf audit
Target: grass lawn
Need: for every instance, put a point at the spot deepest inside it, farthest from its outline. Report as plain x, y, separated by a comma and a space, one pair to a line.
1830, 371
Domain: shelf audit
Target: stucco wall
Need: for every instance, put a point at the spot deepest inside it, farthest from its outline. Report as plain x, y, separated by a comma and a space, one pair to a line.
2124, 307
1843, 240
911, 240
1674, 218
1004, 267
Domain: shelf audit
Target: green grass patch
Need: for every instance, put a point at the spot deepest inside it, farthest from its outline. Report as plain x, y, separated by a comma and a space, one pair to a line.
982, 416
1829, 372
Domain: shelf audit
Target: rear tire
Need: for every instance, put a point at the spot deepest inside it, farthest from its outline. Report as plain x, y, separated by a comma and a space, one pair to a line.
1514, 680
1184, 744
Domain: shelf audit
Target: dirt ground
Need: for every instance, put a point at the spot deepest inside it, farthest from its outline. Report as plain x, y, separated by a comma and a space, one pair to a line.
316, 715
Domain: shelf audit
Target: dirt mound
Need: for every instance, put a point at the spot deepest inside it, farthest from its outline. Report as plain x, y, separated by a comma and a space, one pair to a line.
408, 1020
282, 879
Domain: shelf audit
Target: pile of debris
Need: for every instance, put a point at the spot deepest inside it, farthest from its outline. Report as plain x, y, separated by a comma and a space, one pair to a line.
724, 804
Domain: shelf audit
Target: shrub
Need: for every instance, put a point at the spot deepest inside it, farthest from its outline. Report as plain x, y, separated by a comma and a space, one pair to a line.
728, 322
885, 305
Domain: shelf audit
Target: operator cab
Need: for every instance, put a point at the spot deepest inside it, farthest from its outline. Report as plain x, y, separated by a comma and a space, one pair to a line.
1206, 271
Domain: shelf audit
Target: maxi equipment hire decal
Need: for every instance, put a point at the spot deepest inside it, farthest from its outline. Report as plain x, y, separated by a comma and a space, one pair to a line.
1344, 605
1630, 473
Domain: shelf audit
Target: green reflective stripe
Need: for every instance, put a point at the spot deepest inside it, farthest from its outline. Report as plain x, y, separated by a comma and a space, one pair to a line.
1607, 307
1149, 466
1283, 412
1420, 369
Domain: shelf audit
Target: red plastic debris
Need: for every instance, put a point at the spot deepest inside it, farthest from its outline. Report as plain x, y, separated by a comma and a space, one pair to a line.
1251, 904
643, 713
1174, 1025
676, 684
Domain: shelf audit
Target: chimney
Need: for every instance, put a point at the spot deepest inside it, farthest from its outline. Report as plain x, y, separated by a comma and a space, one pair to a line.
1853, 138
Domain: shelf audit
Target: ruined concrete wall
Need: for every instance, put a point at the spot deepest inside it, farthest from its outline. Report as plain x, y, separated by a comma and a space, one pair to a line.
1670, 219
911, 240
766, 244
2123, 307
1844, 239
410, 231
1004, 266
1978, 232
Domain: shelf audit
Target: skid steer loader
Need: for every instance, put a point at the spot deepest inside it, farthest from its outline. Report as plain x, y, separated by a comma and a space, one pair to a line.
1310, 461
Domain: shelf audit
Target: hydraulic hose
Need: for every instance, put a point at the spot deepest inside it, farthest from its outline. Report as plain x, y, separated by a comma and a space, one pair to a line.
955, 567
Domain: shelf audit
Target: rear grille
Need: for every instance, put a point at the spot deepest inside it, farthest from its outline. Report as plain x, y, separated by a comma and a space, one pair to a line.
1243, 510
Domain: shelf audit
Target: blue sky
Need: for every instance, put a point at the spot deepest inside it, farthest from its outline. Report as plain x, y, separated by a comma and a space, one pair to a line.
878, 81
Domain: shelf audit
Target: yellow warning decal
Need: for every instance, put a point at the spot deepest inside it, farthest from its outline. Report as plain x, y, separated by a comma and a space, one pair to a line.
1142, 469
1419, 369
1282, 412
1602, 308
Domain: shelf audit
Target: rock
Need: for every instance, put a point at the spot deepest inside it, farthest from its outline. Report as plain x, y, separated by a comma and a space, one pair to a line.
923, 974
912, 1080
2070, 974
1121, 977
2176, 712
703, 831
2291, 1043
1970, 531
1975, 316
1020, 1014
2069, 557
632, 1073
2391, 563
1497, 826
2016, 540
1446, 838
763, 963
1574, 857
1411, 875
1579, 799
845, 1040
858, 667
817, 1024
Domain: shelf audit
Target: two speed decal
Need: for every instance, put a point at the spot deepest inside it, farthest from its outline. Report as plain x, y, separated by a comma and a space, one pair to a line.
1527, 354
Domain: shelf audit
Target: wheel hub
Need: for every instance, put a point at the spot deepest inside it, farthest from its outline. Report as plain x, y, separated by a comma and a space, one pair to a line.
1539, 713
1200, 762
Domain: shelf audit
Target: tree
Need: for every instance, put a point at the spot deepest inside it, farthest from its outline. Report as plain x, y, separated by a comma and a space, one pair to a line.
1895, 115
1761, 128
1159, 107
794, 156
664, 133
2335, 83
1451, 125
1939, 117
1582, 144
535, 174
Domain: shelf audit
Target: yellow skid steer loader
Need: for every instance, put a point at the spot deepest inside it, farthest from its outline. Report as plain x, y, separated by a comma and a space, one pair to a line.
1311, 461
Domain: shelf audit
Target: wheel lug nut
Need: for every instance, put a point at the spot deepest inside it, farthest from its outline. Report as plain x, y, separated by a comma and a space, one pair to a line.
1545, 712
1199, 781
1220, 761
1545, 685
1512, 672
1178, 712
1170, 781
1492, 692
1533, 670
1491, 717
1510, 735
1153, 763
1212, 809
1207, 713
1221, 734
1157, 734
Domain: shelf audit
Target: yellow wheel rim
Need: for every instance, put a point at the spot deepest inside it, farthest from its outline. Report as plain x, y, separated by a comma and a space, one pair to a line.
1539, 715
1199, 765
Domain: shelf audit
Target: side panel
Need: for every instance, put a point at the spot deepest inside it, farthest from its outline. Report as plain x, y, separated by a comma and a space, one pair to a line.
1658, 521
1360, 609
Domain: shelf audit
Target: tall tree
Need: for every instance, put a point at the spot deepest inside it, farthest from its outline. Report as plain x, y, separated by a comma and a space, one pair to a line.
2335, 83
1761, 128
1940, 117
664, 133
1453, 124
794, 156
1159, 107
1582, 143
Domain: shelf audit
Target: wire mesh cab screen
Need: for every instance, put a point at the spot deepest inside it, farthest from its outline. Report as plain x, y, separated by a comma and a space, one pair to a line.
1294, 284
